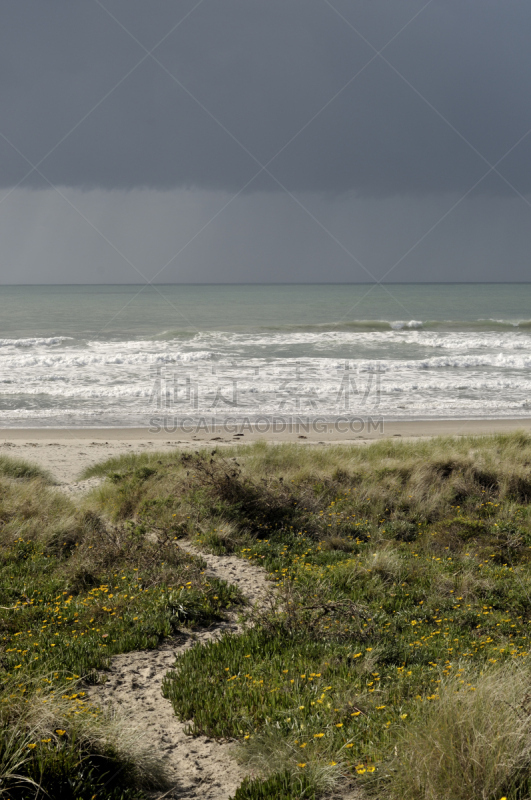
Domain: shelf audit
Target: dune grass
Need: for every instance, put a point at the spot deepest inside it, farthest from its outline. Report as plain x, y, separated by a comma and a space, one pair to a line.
474, 742
75, 590
18, 468
402, 576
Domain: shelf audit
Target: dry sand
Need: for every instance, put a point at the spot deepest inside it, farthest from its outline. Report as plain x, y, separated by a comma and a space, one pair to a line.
66, 452
198, 767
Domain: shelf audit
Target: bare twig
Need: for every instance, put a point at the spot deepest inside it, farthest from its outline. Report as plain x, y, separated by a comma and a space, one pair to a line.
161, 796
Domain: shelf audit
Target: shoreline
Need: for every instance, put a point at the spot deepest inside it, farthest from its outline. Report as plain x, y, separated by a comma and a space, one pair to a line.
277, 430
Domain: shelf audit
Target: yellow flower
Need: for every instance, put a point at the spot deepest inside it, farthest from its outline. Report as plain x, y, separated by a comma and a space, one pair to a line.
59, 732
372, 768
301, 765
318, 735
339, 725
350, 744
31, 746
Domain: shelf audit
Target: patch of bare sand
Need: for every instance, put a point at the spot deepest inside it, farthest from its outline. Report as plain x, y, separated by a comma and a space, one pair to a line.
66, 458
197, 767
77, 488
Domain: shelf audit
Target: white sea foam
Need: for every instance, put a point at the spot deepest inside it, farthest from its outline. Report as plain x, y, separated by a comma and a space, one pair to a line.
87, 359
413, 323
404, 370
35, 341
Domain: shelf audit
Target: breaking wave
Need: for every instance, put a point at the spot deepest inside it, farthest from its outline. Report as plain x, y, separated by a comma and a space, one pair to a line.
413, 324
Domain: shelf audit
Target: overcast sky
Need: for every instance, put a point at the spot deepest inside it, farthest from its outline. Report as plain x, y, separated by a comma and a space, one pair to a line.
264, 140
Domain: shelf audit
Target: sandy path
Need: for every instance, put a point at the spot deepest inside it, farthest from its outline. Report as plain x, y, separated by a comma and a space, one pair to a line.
198, 767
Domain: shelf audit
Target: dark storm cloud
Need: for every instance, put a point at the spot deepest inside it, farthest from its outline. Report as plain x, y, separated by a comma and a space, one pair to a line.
262, 69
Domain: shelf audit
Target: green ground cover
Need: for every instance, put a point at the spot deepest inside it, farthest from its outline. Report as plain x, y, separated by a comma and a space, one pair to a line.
394, 655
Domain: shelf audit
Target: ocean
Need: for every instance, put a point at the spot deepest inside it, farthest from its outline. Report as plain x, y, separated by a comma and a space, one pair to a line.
124, 355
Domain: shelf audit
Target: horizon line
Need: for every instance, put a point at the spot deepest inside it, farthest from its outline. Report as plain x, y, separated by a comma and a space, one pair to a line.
285, 283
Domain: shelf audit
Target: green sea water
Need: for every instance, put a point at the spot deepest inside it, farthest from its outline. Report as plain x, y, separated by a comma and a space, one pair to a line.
138, 311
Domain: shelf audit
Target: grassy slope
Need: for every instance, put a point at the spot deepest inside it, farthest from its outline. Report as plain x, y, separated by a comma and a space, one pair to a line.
75, 590
404, 591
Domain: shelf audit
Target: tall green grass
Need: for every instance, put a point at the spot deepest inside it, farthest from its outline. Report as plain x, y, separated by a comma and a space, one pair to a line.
475, 742
18, 468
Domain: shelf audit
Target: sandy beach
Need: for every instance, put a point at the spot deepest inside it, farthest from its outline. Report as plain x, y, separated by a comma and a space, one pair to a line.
66, 452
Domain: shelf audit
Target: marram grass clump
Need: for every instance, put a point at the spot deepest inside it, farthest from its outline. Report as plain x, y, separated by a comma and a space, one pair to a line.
18, 468
56, 743
474, 742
